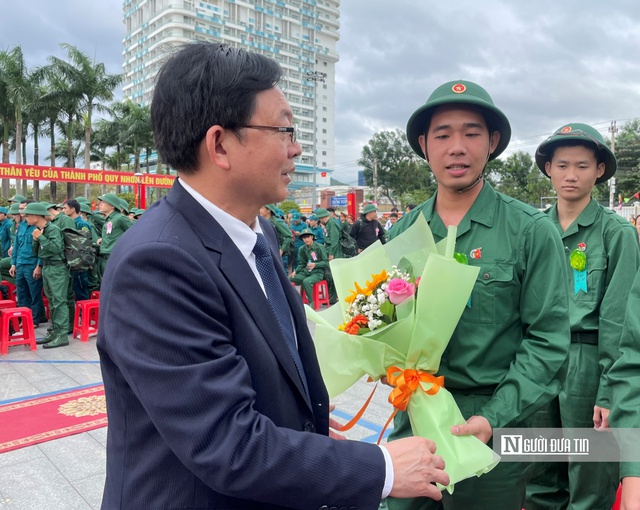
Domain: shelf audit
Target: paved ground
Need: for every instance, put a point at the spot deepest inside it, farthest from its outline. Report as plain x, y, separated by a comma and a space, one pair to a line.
68, 473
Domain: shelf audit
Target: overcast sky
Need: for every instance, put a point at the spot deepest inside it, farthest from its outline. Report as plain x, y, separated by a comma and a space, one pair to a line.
544, 63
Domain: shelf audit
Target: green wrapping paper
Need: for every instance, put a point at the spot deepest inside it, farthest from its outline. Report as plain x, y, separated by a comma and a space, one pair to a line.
416, 340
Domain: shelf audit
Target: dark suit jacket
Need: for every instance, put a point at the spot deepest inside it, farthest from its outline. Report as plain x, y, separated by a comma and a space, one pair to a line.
205, 406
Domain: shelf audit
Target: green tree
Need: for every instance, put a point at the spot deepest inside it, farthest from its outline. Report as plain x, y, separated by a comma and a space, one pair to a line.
399, 170
519, 177
287, 205
93, 84
627, 151
15, 75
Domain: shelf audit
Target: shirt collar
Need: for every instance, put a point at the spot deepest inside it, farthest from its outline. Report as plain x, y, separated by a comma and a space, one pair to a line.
481, 211
243, 236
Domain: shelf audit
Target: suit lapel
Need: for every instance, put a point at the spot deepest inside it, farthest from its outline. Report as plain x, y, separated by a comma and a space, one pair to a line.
238, 273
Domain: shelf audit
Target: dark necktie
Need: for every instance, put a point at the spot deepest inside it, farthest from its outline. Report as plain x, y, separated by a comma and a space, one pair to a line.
277, 299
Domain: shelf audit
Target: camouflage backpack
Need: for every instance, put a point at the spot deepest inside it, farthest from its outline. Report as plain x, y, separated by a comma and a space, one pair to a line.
78, 249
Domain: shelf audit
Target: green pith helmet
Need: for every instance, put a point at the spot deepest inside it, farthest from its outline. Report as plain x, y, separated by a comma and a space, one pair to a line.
138, 213
124, 205
111, 199
581, 133
273, 209
17, 199
369, 208
85, 208
322, 213
459, 92
36, 209
307, 232
82, 199
15, 208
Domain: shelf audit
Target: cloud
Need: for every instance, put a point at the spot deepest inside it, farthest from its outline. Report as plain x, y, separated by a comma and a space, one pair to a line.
544, 63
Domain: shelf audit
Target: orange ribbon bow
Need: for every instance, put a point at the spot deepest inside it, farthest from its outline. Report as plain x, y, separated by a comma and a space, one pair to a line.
405, 382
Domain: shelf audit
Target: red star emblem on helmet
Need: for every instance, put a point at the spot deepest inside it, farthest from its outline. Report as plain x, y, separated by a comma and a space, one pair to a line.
565, 129
459, 88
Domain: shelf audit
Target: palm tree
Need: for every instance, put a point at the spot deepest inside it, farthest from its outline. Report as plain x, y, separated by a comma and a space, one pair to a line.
138, 130
15, 76
68, 98
93, 84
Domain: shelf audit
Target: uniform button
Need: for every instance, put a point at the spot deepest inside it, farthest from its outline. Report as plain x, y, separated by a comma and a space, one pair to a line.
309, 427
486, 276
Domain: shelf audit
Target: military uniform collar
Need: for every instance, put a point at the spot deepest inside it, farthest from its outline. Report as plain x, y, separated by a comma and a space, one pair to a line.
586, 218
481, 211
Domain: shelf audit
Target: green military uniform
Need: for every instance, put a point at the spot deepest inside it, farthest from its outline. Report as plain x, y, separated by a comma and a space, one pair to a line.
624, 376
609, 244
285, 238
507, 356
296, 230
49, 248
63, 221
314, 254
332, 237
114, 226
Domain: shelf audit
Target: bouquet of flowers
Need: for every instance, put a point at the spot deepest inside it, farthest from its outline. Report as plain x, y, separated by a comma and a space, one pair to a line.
397, 325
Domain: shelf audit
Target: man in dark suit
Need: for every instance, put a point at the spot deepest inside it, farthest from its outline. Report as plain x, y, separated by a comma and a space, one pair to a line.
214, 396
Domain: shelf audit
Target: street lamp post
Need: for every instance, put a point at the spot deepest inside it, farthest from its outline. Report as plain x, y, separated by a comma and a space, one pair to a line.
315, 77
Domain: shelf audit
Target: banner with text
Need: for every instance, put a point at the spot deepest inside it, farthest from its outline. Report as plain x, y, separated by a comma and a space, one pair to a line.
52, 173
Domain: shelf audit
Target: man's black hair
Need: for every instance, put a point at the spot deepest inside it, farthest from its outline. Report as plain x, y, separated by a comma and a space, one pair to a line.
203, 85
74, 204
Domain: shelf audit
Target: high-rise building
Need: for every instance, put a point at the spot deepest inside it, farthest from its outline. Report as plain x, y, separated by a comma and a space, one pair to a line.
300, 34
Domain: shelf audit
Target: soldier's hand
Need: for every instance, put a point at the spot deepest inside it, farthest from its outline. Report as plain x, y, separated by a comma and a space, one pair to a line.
476, 426
600, 418
12, 271
36, 233
416, 468
37, 272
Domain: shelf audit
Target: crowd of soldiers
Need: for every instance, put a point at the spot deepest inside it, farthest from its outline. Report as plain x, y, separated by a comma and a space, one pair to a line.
307, 244
34, 258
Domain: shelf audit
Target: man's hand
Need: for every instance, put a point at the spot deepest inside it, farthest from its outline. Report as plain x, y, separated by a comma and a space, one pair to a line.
37, 272
36, 233
334, 424
416, 468
476, 426
99, 241
12, 271
600, 418
630, 493
330, 257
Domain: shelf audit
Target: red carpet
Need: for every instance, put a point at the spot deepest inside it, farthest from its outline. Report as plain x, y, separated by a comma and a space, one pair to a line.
41, 419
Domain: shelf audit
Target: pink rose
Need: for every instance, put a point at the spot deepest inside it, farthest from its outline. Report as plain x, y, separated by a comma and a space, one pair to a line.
398, 290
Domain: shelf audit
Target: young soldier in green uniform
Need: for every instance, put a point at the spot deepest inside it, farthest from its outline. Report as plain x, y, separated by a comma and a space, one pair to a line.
115, 225
624, 387
332, 237
95, 219
507, 356
86, 213
26, 269
317, 229
285, 238
62, 221
296, 227
48, 245
602, 258
312, 264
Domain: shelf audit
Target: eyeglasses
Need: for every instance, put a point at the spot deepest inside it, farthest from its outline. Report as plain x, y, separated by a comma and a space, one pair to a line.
292, 130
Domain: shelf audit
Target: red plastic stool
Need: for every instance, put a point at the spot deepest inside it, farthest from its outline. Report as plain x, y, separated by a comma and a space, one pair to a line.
45, 303
320, 294
95, 294
85, 322
24, 333
12, 290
